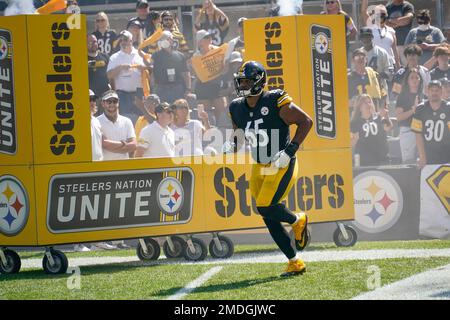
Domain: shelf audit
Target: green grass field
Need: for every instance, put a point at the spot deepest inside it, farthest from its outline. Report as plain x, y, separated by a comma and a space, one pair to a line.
323, 280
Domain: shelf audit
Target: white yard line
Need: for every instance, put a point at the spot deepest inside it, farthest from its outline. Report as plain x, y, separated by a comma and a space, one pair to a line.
180, 294
431, 284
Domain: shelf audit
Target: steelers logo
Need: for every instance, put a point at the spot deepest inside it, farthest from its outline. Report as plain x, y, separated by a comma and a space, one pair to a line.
264, 111
14, 206
170, 196
3, 48
442, 116
321, 43
378, 201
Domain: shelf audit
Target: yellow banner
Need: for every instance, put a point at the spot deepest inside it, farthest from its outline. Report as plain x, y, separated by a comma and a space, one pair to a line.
210, 66
15, 124
59, 89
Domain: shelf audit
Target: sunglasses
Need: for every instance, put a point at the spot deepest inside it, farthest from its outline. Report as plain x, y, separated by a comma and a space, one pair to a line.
112, 101
330, 2
100, 20
92, 99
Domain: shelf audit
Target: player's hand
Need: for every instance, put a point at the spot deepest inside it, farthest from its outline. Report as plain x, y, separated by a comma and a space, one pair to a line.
228, 147
281, 159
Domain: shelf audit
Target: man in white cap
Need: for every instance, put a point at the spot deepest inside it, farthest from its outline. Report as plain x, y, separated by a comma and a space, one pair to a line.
172, 77
96, 129
119, 138
124, 70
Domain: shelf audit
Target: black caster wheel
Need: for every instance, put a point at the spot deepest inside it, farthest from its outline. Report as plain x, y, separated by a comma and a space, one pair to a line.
339, 239
60, 264
200, 250
226, 251
13, 262
153, 250
179, 245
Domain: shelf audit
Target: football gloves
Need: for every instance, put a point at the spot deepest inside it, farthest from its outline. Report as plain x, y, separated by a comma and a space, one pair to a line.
283, 158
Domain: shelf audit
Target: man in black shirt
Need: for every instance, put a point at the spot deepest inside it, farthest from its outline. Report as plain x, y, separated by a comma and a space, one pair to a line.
400, 17
97, 64
172, 77
143, 16
431, 123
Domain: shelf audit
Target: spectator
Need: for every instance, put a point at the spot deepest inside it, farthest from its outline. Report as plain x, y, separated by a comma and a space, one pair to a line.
135, 28
119, 139
213, 20
335, 7
157, 140
445, 89
232, 66
237, 44
377, 57
364, 80
368, 130
425, 36
106, 38
431, 125
97, 64
144, 17
383, 35
125, 70
188, 132
410, 97
170, 71
412, 54
169, 24
208, 92
96, 130
149, 116
442, 70
400, 17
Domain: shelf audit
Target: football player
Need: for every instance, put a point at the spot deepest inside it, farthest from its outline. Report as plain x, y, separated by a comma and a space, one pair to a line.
265, 117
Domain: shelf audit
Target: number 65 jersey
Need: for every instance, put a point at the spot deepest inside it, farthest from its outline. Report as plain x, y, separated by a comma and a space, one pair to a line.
434, 125
263, 127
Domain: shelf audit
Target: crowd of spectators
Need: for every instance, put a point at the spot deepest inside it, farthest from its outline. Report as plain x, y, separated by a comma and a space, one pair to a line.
149, 70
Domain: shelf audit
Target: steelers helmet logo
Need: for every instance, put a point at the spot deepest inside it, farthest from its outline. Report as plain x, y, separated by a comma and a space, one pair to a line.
170, 196
14, 206
321, 43
378, 201
264, 111
439, 182
3, 48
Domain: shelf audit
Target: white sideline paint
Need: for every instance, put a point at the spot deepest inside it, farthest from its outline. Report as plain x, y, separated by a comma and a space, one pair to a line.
264, 257
180, 294
432, 284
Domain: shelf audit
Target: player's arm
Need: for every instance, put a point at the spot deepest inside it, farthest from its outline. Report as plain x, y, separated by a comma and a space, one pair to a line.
292, 114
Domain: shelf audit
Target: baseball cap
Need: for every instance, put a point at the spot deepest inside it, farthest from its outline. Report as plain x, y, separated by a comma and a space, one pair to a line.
201, 34
166, 35
163, 107
365, 31
109, 94
142, 3
235, 57
154, 98
241, 21
359, 52
134, 22
126, 34
435, 83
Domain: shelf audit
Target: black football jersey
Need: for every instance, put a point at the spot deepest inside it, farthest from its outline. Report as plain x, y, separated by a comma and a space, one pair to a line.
263, 127
434, 125
106, 41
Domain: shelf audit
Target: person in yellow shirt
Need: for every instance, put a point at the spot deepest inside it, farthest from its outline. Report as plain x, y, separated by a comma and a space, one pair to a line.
149, 116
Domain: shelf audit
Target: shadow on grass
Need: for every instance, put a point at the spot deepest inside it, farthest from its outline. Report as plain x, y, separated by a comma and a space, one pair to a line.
33, 274
243, 284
